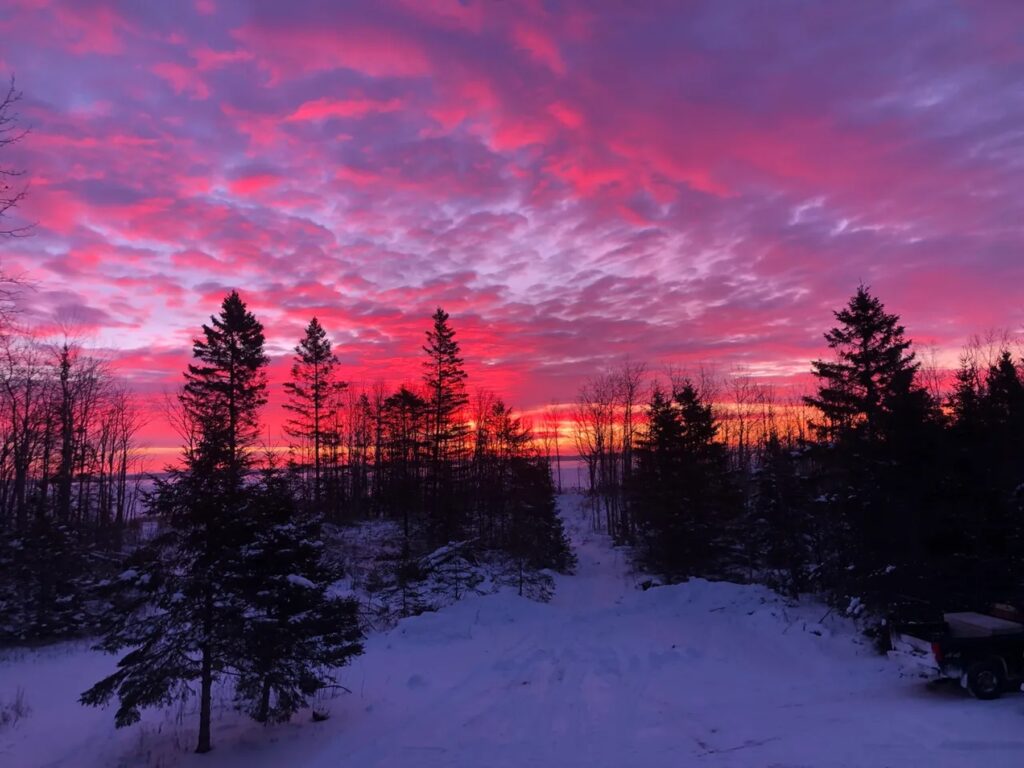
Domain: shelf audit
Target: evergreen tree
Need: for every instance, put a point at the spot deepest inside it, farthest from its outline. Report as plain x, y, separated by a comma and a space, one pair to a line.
188, 605
515, 501
538, 539
1003, 404
981, 527
225, 389
882, 434
782, 526
47, 589
296, 630
176, 611
681, 491
873, 364
965, 400
404, 416
312, 395
445, 380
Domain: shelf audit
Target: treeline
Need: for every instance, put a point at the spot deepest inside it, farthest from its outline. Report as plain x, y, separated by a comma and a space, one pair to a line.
877, 489
445, 467
69, 484
240, 583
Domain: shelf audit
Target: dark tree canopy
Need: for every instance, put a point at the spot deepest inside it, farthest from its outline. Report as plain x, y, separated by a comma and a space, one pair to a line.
680, 489
226, 387
872, 369
297, 632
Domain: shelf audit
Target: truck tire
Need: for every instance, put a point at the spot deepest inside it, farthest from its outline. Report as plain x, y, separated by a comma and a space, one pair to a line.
985, 679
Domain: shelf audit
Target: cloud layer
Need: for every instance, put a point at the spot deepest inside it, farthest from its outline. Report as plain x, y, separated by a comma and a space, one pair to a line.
573, 182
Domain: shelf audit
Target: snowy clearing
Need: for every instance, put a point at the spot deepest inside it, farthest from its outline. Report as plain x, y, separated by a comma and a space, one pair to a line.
605, 675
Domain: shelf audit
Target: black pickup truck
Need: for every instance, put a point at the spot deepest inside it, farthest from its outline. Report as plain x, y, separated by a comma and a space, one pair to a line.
984, 652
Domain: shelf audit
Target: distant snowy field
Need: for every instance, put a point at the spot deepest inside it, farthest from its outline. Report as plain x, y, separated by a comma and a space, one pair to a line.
605, 675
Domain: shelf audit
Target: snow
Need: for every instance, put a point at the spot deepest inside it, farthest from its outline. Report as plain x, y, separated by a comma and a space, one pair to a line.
607, 674
300, 581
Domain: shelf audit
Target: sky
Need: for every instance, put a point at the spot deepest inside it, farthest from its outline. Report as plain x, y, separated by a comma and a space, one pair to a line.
574, 182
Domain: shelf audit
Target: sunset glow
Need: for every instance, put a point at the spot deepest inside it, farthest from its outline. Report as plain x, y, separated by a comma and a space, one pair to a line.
572, 182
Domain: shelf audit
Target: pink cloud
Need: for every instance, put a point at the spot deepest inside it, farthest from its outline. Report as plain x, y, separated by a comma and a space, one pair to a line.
182, 79
207, 58
540, 47
576, 183
287, 51
326, 107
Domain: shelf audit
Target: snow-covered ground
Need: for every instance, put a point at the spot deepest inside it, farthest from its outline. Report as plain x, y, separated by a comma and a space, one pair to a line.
604, 675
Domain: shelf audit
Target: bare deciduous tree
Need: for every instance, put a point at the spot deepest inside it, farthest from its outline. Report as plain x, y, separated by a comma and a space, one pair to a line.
12, 191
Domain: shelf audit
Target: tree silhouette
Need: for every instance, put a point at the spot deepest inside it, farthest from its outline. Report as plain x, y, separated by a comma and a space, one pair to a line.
312, 396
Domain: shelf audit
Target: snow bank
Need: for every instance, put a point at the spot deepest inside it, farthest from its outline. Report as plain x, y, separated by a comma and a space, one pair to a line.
300, 581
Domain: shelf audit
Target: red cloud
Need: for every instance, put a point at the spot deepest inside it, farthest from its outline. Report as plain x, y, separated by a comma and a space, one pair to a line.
253, 183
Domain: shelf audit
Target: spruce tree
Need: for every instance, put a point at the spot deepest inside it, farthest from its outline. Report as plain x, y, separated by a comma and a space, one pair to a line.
965, 399
996, 487
312, 395
538, 542
681, 493
872, 365
404, 415
296, 628
515, 501
185, 609
782, 527
1004, 397
445, 380
880, 435
225, 389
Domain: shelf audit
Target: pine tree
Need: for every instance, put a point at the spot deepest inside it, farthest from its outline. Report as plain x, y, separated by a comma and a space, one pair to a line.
177, 613
297, 630
782, 526
538, 539
965, 400
872, 365
188, 608
995, 487
881, 433
1004, 397
312, 393
404, 414
681, 493
515, 501
445, 380
226, 388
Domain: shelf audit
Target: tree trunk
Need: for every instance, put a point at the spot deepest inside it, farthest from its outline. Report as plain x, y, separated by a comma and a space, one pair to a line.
206, 688
264, 713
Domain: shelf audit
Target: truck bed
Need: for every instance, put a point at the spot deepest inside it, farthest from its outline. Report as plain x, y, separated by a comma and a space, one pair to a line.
969, 624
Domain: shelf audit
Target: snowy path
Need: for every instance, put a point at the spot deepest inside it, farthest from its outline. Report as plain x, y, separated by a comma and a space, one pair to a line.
604, 675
